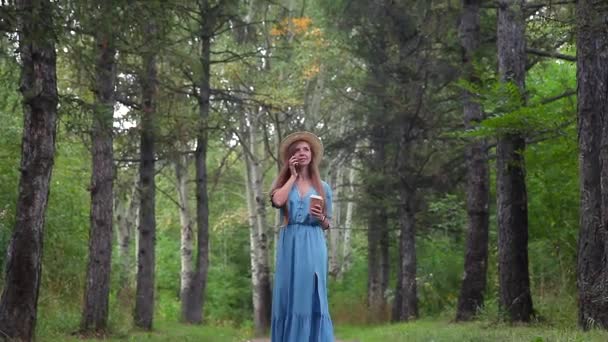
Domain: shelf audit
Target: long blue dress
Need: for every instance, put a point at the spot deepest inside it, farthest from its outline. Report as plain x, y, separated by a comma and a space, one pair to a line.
300, 311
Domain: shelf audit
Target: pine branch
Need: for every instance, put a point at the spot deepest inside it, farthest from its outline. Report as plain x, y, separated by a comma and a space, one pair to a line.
567, 93
129, 103
551, 54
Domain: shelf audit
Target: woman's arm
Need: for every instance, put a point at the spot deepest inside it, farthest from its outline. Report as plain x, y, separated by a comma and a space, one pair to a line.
323, 216
279, 196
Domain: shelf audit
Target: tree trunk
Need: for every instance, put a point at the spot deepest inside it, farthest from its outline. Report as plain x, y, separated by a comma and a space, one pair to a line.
512, 208
18, 305
187, 231
376, 287
336, 170
196, 294
314, 94
405, 306
478, 183
406, 297
97, 288
348, 222
260, 264
377, 236
126, 210
144, 299
277, 215
592, 80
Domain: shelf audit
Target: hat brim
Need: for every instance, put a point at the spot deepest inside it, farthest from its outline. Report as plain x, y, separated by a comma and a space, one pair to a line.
315, 145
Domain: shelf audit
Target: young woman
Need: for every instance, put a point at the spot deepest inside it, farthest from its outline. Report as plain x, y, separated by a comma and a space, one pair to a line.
300, 310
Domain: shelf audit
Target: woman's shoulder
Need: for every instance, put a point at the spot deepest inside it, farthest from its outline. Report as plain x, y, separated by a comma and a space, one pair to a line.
326, 186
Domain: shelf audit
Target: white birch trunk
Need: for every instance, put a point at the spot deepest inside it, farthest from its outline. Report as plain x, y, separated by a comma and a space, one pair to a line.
126, 204
348, 223
185, 217
277, 216
260, 266
123, 236
334, 233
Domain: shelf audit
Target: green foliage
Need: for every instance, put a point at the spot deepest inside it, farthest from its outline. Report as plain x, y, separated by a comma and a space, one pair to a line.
67, 223
10, 149
439, 273
447, 214
507, 113
348, 296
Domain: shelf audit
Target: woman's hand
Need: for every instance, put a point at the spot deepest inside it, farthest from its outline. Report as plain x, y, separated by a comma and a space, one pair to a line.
293, 165
317, 212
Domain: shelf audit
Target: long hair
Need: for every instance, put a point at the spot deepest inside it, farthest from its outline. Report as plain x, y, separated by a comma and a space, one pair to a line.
313, 171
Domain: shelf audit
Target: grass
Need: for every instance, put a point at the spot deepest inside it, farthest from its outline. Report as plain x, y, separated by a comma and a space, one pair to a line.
422, 330
440, 331
163, 331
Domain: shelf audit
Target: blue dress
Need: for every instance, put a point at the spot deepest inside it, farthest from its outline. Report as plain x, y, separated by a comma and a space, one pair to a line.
300, 312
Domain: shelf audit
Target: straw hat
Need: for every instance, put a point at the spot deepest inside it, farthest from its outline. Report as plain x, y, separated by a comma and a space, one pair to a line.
315, 145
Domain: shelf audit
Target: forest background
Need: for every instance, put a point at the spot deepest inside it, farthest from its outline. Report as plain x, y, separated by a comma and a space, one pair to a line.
454, 134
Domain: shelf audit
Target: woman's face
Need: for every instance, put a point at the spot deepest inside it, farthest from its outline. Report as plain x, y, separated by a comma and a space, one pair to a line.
301, 149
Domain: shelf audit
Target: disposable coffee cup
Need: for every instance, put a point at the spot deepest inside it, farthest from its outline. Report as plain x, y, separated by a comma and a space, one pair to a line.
314, 200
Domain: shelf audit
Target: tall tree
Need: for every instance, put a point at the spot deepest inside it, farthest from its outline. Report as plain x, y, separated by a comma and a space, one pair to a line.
377, 230
97, 288
478, 180
377, 55
144, 301
38, 86
260, 264
196, 293
252, 142
592, 79
335, 235
512, 206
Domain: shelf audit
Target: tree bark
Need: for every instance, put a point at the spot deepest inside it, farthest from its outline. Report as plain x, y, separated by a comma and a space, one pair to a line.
592, 80
146, 261
314, 94
187, 230
260, 263
348, 222
97, 289
406, 294
405, 306
377, 236
478, 182
336, 171
38, 86
196, 294
512, 208
126, 210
